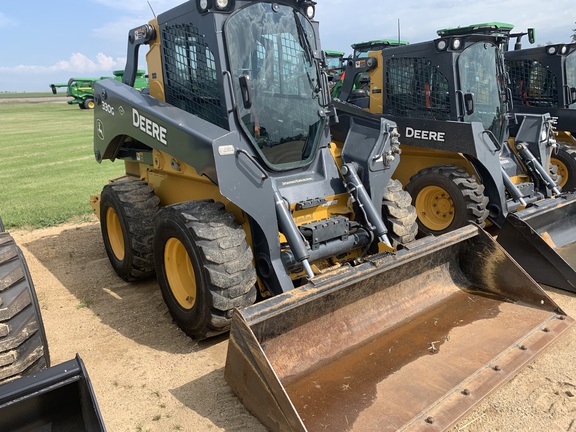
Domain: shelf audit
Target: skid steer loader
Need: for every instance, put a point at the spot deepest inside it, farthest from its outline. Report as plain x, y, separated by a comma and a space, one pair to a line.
452, 107
543, 80
234, 192
34, 396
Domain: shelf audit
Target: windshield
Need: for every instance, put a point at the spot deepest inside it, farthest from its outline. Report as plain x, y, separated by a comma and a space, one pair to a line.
481, 73
276, 82
571, 73
333, 62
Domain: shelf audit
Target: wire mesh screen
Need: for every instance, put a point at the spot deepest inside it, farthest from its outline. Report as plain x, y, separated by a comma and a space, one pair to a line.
532, 83
191, 76
415, 88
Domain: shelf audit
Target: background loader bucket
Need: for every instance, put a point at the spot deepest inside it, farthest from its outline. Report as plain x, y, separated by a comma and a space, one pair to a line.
57, 399
409, 340
542, 239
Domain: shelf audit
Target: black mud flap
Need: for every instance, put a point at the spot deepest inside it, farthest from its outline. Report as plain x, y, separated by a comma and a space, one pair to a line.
57, 399
405, 341
542, 239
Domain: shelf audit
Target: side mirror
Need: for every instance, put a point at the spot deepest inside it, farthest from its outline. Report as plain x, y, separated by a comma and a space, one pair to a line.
572, 95
531, 35
469, 103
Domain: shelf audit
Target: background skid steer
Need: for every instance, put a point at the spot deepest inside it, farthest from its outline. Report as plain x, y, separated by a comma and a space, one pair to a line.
543, 80
448, 98
232, 182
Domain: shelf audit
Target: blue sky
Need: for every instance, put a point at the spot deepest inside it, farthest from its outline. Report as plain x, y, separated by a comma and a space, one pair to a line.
50, 41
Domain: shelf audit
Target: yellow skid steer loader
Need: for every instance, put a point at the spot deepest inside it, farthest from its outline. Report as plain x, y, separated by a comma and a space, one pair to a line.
255, 221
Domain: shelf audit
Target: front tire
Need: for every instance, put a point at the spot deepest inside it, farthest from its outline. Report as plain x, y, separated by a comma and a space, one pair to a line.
447, 198
23, 344
399, 214
203, 265
127, 210
565, 160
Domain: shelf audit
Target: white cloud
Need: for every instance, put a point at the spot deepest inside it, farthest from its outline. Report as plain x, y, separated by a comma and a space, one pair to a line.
77, 63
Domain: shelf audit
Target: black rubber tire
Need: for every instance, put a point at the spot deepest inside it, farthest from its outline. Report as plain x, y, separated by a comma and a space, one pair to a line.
81, 106
567, 156
135, 204
88, 103
399, 214
467, 195
23, 344
222, 264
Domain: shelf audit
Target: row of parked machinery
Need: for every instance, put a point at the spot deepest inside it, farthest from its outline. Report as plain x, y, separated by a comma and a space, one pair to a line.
372, 231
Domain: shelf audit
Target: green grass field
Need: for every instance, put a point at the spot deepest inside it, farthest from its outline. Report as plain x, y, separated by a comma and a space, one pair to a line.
47, 94
48, 169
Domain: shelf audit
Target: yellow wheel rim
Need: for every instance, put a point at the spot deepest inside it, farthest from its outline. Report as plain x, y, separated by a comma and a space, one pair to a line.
114, 232
435, 208
562, 170
91, 105
180, 273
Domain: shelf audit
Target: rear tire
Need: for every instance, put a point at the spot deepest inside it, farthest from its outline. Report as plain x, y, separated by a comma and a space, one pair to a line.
127, 210
203, 265
447, 198
399, 214
88, 103
565, 160
23, 344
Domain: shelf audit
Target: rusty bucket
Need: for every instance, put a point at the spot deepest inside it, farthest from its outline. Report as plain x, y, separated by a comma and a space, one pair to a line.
411, 340
542, 239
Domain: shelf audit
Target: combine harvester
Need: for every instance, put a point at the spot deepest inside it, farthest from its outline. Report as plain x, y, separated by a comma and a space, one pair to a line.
453, 112
34, 396
81, 90
255, 221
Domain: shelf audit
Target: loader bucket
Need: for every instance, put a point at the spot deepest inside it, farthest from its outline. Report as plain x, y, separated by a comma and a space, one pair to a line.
57, 399
542, 239
410, 340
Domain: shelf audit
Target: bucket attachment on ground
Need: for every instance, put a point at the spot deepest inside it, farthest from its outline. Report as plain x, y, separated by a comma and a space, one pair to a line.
57, 399
411, 340
542, 239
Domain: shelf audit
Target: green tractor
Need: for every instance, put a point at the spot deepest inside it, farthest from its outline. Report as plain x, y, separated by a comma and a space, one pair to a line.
334, 63
82, 89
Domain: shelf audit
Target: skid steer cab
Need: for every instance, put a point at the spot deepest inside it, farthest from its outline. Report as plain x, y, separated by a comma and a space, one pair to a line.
450, 100
543, 80
235, 192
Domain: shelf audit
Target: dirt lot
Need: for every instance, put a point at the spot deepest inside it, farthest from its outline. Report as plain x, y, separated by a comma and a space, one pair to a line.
148, 376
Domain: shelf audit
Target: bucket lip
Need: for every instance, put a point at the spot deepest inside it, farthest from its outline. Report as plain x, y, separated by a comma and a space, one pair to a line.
558, 201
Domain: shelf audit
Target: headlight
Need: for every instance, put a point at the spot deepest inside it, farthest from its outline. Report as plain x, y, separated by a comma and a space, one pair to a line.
456, 44
222, 4
551, 50
310, 12
563, 49
203, 6
441, 45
